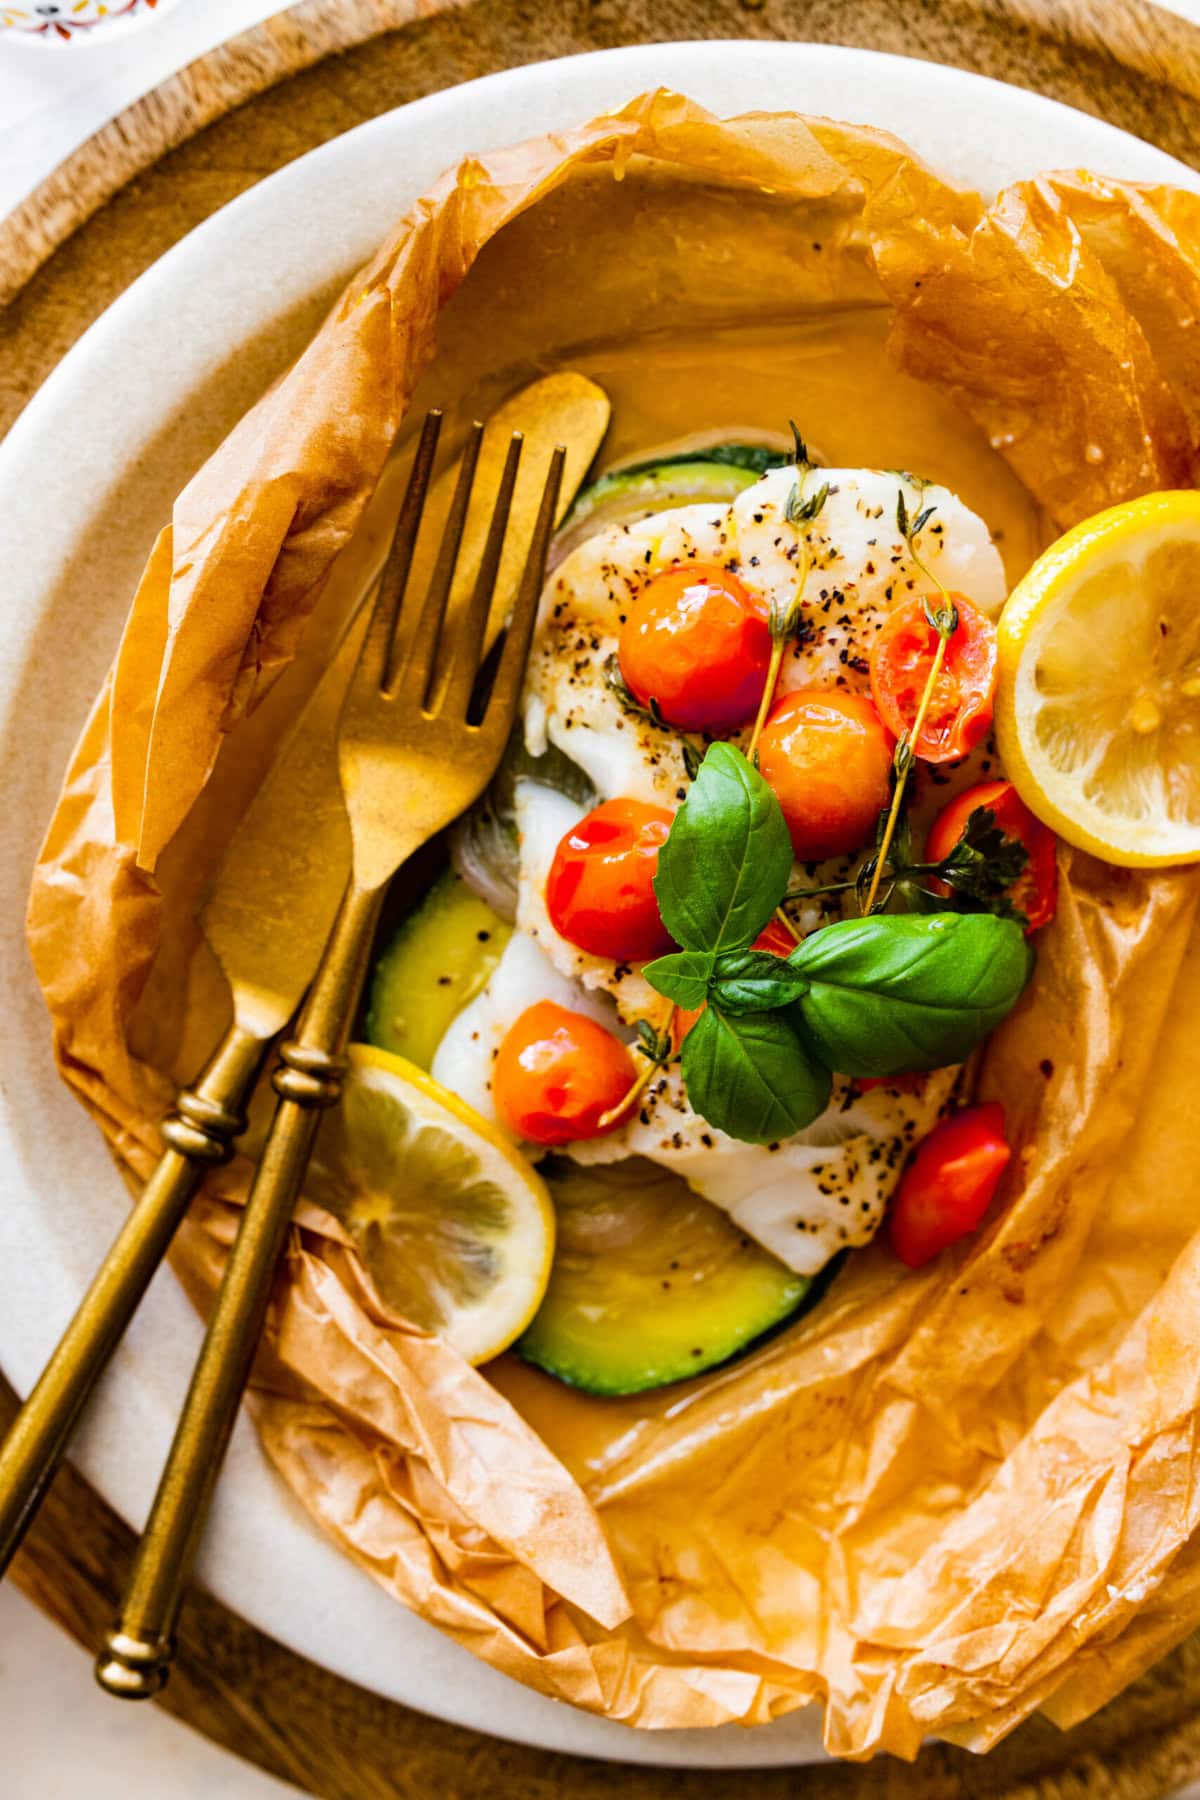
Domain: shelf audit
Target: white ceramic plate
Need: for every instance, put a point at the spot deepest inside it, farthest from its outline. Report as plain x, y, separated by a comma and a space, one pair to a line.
86, 478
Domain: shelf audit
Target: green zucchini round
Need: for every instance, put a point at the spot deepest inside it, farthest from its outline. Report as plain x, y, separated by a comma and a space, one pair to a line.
436, 961
717, 472
650, 1284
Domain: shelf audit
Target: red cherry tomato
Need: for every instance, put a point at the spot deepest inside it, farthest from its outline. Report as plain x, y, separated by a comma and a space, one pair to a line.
1035, 891
948, 1186
960, 709
694, 642
600, 891
557, 1073
828, 756
774, 937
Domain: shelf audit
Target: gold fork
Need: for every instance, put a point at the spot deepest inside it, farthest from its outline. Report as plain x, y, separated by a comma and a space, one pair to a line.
411, 757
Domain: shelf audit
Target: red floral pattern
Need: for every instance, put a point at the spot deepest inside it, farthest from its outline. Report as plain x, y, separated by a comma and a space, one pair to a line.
70, 19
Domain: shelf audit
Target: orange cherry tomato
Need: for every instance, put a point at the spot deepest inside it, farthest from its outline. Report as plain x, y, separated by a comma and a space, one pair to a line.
948, 1186
694, 642
960, 709
1035, 891
600, 891
774, 937
828, 756
557, 1073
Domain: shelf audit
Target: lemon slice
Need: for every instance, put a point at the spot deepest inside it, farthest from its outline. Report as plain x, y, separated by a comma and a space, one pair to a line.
1098, 710
454, 1225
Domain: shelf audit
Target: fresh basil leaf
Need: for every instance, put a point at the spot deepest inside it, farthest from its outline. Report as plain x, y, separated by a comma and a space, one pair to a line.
752, 1077
725, 864
896, 993
754, 981
682, 977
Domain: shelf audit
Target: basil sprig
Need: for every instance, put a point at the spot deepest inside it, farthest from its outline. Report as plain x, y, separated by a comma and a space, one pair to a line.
883, 995
747, 981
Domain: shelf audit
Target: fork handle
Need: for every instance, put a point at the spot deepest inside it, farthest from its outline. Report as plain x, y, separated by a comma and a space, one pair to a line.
199, 1133
139, 1648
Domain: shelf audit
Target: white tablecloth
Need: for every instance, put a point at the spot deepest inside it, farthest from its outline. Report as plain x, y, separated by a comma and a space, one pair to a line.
60, 1738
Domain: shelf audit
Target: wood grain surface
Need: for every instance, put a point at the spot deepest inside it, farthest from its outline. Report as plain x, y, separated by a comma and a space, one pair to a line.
150, 176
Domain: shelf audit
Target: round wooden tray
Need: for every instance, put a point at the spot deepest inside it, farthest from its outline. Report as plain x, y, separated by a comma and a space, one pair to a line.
97, 222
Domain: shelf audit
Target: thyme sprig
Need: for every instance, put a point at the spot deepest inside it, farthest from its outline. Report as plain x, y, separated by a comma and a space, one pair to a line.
656, 1043
616, 684
691, 751
786, 618
942, 615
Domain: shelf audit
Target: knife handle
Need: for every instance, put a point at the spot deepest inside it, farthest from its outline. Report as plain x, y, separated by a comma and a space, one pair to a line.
199, 1133
140, 1647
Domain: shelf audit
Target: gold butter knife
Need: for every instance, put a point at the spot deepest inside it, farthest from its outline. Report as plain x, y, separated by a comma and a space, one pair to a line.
292, 845
266, 917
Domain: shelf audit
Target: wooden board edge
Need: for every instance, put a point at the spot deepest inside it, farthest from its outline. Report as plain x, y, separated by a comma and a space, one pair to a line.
179, 107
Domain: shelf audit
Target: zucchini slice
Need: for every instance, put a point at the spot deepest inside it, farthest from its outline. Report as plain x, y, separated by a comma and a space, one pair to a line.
438, 958
650, 1283
718, 472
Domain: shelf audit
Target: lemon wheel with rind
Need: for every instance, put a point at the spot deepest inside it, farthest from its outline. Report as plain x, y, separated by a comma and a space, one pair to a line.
455, 1227
1098, 710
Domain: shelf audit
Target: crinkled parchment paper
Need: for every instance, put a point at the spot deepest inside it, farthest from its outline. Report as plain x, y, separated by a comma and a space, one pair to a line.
945, 1498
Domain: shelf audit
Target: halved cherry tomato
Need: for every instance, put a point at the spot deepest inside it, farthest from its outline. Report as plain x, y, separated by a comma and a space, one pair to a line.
774, 937
960, 709
948, 1186
557, 1073
828, 756
694, 642
1035, 891
600, 891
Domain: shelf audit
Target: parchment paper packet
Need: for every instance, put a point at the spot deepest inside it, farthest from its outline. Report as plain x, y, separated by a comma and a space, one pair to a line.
944, 1499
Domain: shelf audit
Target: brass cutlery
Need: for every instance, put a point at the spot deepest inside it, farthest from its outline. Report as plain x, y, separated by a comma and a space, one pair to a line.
417, 744
265, 918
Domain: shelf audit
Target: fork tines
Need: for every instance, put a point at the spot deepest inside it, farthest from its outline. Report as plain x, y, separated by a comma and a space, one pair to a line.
407, 656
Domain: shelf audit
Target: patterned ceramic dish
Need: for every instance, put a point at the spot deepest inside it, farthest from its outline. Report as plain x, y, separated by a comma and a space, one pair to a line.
76, 21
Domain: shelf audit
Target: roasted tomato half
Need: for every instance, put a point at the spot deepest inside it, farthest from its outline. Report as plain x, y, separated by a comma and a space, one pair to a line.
960, 708
948, 1186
